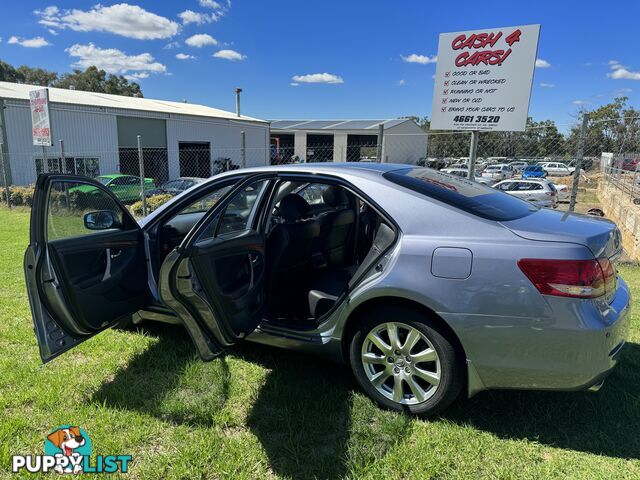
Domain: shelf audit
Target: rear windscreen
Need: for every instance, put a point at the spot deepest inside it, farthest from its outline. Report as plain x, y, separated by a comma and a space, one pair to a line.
472, 197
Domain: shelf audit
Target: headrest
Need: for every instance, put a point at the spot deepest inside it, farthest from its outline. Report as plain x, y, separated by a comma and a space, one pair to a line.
293, 207
335, 196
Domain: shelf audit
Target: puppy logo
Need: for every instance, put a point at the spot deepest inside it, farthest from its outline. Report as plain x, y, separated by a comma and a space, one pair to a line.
71, 442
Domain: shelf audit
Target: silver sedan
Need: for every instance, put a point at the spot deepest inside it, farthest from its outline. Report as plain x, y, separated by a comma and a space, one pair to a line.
425, 284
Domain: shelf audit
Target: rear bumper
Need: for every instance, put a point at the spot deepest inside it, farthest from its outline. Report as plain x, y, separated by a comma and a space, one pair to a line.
575, 350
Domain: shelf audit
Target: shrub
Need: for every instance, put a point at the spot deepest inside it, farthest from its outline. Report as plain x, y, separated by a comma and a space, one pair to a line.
153, 203
20, 196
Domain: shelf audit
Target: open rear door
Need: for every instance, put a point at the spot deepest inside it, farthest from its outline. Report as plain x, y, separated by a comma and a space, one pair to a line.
214, 281
85, 265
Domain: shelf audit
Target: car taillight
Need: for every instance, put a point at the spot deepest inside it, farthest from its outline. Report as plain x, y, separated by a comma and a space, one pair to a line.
569, 278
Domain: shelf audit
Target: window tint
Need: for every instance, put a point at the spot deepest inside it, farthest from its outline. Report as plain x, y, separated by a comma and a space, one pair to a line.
237, 216
466, 195
68, 202
312, 193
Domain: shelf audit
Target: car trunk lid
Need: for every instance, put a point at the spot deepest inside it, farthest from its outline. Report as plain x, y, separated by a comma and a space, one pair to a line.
601, 236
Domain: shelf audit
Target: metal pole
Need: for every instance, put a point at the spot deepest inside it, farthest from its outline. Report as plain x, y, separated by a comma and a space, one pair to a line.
238, 92
380, 140
243, 152
45, 160
4, 176
473, 150
141, 167
576, 173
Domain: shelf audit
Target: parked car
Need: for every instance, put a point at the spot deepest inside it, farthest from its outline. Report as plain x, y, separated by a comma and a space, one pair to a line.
534, 171
464, 173
519, 165
420, 306
498, 172
174, 187
125, 187
563, 192
630, 164
541, 193
557, 169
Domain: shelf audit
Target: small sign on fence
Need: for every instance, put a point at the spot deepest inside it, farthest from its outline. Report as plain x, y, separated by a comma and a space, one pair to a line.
40, 119
483, 79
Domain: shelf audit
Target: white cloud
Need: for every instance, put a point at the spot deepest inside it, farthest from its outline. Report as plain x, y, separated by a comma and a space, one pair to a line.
137, 76
115, 61
422, 59
547, 85
621, 72
540, 63
210, 4
129, 21
401, 82
317, 78
171, 45
581, 102
294, 84
35, 42
189, 16
200, 40
184, 56
625, 90
229, 55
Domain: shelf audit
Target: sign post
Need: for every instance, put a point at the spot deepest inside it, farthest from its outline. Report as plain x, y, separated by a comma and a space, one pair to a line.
483, 81
41, 122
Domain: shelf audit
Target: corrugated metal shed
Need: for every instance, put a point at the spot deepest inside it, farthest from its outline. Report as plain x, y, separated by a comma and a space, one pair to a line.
76, 97
336, 124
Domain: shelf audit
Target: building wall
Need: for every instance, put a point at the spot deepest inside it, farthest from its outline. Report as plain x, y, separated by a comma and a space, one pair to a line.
92, 132
404, 143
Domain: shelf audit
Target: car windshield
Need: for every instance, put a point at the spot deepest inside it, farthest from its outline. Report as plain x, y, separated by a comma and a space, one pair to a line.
472, 197
104, 180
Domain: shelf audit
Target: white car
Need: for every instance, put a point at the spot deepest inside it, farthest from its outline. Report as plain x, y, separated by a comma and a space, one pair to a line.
498, 172
557, 169
464, 173
519, 165
563, 192
541, 193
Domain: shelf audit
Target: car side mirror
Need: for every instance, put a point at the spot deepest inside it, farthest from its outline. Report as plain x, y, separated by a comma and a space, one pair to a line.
100, 220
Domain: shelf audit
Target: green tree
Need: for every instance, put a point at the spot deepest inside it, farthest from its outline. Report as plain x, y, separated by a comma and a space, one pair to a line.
25, 74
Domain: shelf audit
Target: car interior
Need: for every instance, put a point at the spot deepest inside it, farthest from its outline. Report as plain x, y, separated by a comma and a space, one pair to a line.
319, 238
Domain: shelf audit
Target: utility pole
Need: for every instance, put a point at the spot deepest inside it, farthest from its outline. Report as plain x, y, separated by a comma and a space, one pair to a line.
473, 150
380, 140
238, 92
141, 167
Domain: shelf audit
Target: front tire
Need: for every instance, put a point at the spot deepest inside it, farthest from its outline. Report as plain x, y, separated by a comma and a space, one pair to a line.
406, 363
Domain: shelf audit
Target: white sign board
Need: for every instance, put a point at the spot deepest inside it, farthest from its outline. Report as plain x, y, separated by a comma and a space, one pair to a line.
483, 79
40, 120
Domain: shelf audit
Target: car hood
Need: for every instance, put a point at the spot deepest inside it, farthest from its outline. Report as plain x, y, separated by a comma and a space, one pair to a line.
600, 235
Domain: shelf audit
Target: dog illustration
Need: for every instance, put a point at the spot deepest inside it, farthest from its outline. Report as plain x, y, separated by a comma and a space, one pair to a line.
67, 440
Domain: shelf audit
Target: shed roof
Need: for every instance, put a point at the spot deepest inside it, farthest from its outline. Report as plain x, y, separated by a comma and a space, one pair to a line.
336, 124
20, 91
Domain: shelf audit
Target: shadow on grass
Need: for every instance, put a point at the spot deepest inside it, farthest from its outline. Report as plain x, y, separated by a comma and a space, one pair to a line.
169, 381
603, 423
302, 413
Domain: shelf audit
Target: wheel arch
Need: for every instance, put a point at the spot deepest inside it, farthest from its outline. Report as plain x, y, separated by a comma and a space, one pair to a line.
400, 302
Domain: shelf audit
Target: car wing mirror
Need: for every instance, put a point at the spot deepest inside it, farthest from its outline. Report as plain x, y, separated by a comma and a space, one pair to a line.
100, 220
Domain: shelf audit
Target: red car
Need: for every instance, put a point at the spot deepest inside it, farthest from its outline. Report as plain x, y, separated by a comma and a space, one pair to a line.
630, 164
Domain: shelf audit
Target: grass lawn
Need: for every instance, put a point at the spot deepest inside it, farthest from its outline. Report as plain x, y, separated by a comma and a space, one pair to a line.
265, 413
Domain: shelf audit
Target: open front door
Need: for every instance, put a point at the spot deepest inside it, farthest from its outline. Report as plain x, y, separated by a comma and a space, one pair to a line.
215, 280
85, 265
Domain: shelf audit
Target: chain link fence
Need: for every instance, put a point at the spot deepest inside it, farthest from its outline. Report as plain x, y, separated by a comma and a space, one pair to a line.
137, 174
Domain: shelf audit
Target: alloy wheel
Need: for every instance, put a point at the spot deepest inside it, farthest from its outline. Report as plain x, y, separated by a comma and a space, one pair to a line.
401, 363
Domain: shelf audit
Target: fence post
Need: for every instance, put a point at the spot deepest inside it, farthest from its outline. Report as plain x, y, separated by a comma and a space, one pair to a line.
243, 152
4, 176
473, 149
45, 160
141, 166
576, 173
379, 146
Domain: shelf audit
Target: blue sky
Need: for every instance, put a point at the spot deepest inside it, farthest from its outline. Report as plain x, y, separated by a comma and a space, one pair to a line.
273, 50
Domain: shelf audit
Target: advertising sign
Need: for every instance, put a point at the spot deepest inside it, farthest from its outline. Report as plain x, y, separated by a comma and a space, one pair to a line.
40, 120
483, 79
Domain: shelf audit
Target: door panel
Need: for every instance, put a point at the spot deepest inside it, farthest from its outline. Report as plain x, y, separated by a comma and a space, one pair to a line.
80, 280
215, 280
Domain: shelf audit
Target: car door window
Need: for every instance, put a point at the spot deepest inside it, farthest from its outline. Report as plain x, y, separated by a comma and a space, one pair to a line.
69, 202
239, 213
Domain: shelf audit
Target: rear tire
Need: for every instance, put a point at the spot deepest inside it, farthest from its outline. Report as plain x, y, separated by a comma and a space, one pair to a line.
419, 373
